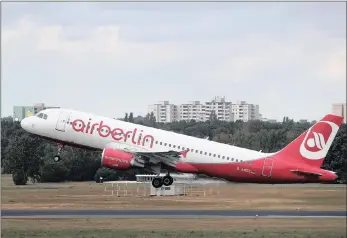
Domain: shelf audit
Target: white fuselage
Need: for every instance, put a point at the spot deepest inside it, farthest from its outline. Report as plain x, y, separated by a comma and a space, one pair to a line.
67, 126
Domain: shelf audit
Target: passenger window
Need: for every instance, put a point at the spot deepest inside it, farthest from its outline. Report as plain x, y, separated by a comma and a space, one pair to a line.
227, 158
45, 116
209, 154
205, 153
232, 159
169, 145
156, 142
223, 157
174, 146
214, 155
196, 151
178, 147
201, 152
165, 144
40, 115
182, 148
218, 156
161, 143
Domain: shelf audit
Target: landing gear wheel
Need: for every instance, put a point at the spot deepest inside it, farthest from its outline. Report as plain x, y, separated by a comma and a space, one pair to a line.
157, 182
56, 158
167, 180
60, 149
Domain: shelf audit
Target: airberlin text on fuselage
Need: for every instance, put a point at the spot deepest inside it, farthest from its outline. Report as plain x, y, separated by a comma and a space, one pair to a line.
117, 134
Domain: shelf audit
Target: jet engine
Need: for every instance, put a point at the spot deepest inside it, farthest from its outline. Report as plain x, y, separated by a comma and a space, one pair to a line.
121, 160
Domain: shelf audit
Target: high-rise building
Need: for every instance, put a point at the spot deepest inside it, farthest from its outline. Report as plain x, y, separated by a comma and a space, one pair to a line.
245, 112
163, 111
193, 110
20, 112
339, 109
224, 110
220, 107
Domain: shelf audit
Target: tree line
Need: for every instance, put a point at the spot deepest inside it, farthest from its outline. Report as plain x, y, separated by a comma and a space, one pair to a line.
28, 157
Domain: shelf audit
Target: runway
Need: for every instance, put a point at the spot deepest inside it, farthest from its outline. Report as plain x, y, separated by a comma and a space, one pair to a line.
169, 214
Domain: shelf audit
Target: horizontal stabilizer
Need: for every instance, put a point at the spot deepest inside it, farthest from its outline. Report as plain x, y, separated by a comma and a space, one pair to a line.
301, 172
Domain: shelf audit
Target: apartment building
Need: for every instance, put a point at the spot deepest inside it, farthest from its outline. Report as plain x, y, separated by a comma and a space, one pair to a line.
221, 107
241, 110
339, 109
195, 110
164, 111
20, 112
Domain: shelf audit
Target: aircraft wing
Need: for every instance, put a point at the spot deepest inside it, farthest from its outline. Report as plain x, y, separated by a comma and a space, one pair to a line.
302, 172
169, 157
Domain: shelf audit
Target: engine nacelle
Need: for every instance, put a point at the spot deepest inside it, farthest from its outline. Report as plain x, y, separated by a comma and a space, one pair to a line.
121, 160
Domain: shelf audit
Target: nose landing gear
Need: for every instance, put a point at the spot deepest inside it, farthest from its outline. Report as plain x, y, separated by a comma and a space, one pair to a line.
60, 149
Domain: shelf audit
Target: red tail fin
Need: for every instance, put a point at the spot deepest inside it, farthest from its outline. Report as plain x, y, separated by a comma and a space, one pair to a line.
312, 146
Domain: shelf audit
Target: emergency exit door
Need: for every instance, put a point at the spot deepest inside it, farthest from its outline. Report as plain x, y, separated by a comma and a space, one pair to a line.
62, 120
267, 167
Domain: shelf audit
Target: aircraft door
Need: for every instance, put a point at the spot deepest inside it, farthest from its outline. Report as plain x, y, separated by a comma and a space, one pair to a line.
267, 167
64, 117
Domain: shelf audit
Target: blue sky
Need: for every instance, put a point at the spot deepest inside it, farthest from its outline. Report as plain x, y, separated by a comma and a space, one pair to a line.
112, 58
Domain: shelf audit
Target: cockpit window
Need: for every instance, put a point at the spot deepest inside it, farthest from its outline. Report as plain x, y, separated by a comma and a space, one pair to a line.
42, 115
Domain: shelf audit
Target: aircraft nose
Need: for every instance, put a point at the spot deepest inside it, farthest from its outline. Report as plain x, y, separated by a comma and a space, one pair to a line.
25, 124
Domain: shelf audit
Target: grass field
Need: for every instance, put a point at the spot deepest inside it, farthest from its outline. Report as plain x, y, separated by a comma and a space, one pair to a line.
90, 195
62, 228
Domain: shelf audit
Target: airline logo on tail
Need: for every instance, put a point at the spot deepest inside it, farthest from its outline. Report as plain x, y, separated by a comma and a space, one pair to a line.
318, 140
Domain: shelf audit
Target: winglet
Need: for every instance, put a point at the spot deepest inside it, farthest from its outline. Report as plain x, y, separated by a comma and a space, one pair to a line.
184, 153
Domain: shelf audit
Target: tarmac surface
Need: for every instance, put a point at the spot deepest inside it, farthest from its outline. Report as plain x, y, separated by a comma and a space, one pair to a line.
169, 214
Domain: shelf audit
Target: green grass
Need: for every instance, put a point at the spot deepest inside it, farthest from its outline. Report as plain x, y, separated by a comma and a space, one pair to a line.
106, 233
152, 228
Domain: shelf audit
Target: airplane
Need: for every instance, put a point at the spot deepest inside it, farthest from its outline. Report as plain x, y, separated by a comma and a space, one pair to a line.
127, 146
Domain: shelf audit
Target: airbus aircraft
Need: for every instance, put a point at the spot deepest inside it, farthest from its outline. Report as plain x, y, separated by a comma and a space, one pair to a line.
125, 146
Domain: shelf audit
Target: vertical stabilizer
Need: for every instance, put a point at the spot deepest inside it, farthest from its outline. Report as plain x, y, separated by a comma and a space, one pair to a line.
312, 146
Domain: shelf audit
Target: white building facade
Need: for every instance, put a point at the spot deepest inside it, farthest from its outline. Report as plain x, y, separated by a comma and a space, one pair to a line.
221, 108
339, 109
195, 110
164, 111
243, 111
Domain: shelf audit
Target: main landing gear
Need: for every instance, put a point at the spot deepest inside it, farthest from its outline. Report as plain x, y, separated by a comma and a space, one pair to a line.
60, 148
167, 180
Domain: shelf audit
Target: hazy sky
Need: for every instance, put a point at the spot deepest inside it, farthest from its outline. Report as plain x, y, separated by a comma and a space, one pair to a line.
112, 58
